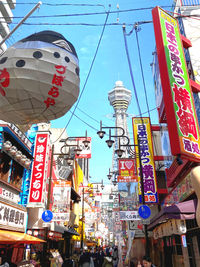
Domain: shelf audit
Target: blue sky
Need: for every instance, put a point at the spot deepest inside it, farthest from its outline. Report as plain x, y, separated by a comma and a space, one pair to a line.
109, 66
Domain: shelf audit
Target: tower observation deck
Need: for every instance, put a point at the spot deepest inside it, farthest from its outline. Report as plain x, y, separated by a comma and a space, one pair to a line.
120, 98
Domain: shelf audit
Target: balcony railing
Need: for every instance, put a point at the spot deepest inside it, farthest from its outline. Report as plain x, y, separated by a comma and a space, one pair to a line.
190, 2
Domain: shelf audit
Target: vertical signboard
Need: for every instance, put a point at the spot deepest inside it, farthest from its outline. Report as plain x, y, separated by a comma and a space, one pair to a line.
61, 200
179, 104
142, 131
39, 169
127, 172
85, 151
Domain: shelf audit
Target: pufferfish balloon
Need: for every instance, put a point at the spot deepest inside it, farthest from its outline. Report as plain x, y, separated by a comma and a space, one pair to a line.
39, 79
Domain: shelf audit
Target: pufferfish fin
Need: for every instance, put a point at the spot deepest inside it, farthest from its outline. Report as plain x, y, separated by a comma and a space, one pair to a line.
63, 44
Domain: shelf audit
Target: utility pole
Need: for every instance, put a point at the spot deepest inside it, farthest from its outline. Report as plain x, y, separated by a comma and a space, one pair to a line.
20, 23
83, 215
143, 197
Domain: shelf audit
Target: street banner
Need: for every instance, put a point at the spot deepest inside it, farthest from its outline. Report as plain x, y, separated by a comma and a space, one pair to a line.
127, 170
177, 94
142, 131
128, 196
61, 200
129, 215
86, 151
39, 170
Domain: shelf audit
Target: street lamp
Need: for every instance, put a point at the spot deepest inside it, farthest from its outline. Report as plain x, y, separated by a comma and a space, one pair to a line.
120, 152
110, 142
83, 212
133, 154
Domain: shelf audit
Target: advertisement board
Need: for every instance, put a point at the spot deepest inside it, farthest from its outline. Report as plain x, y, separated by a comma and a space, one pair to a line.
127, 170
142, 131
39, 169
178, 98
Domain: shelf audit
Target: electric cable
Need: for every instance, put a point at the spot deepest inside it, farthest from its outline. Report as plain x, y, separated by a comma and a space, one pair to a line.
143, 80
95, 55
89, 14
130, 69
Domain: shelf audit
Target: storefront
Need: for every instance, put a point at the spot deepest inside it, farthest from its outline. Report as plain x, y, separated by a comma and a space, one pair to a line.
15, 158
176, 235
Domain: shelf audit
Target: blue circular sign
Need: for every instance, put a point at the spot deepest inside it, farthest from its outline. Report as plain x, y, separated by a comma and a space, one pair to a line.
47, 216
144, 211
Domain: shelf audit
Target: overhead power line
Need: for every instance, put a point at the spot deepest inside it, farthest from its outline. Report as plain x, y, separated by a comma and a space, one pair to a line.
91, 13
84, 86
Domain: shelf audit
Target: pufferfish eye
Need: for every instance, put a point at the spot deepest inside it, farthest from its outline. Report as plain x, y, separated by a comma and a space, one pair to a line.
37, 54
20, 63
56, 54
3, 60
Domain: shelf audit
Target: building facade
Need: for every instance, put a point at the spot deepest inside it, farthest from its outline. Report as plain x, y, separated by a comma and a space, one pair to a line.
176, 233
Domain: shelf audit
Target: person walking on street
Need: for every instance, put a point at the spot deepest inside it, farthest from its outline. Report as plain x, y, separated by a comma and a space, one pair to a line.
84, 260
115, 257
101, 256
146, 262
108, 262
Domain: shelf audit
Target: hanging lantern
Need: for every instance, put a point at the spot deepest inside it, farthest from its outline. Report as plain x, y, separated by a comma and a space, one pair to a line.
13, 150
27, 163
39, 79
23, 159
29, 232
18, 155
36, 232
7, 145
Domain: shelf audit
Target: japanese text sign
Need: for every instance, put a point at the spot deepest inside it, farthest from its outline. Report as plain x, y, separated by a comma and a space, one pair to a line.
129, 215
12, 217
85, 151
127, 172
38, 168
142, 131
179, 104
57, 82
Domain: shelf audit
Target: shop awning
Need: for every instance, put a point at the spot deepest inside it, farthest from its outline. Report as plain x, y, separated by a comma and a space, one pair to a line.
71, 231
184, 210
91, 243
9, 237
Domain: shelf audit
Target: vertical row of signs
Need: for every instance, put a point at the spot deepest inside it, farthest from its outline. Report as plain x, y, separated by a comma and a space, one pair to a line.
129, 179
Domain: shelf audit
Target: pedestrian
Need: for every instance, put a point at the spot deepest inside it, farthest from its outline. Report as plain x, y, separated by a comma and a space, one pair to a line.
85, 259
146, 262
134, 262
115, 257
101, 256
108, 262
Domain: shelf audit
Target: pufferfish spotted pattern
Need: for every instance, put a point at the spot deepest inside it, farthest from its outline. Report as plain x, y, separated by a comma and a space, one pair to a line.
39, 79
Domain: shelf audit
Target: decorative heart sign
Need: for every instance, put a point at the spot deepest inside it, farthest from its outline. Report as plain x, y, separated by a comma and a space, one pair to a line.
129, 164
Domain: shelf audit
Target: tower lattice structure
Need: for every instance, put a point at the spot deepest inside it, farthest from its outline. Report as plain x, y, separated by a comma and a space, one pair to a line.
119, 98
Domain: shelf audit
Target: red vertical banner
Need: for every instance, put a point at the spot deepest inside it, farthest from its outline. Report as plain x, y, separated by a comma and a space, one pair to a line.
39, 168
178, 98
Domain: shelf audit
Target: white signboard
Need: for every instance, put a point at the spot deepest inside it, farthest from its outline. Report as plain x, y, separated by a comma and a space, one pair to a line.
9, 194
129, 215
60, 217
85, 151
12, 217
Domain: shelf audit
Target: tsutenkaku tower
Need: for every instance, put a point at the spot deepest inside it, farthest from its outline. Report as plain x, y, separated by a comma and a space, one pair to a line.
120, 98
